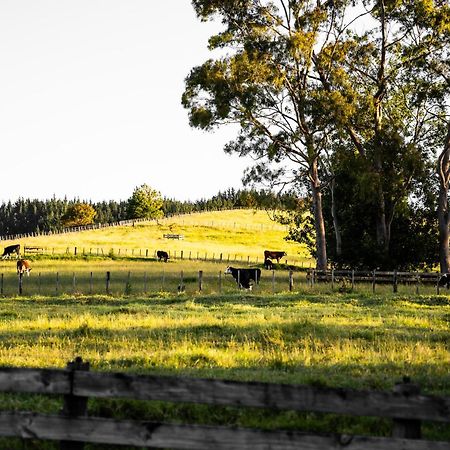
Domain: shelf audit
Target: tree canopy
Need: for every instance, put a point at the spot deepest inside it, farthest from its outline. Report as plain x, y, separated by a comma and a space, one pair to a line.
315, 83
145, 203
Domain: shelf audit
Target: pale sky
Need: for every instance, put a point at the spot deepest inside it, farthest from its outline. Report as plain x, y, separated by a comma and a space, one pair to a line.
90, 101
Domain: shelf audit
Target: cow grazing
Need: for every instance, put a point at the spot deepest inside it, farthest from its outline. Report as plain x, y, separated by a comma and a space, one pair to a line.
23, 266
268, 254
268, 264
244, 277
8, 251
445, 280
162, 255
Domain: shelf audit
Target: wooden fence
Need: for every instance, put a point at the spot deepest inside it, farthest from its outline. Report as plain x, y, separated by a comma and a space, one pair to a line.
122, 282
170, 280
73, 427
349, 278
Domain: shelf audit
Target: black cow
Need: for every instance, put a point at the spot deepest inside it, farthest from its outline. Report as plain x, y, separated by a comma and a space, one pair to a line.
268, 264
244, 277
8, 251
268, 254
445, 280
162, 255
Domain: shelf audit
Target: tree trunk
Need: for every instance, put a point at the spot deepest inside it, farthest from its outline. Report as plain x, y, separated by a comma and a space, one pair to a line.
443, 210
319, 223
337, 230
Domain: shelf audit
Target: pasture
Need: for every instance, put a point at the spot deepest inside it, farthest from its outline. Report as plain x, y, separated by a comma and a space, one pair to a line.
342, 340
312, 335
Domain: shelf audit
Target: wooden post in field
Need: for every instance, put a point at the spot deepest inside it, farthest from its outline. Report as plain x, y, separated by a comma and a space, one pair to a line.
437, 283
220, 281
239, 279
373, 281
291, 280
74, 406
39, 283
395, 282
108, 281
57, 283
406, 428
181, 254
181, 285
91, 284
332, 278
20, 282
74, 282
353, 279
200, 280
273, 281
75, 252
417, 283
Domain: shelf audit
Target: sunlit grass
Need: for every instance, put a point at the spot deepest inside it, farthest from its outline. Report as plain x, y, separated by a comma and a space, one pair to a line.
233, 233
342, 340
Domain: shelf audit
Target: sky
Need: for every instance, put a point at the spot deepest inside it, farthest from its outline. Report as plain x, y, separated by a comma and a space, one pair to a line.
90, 102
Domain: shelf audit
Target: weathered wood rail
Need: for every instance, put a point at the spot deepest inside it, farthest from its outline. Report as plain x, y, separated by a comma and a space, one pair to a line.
405, 406
374, 277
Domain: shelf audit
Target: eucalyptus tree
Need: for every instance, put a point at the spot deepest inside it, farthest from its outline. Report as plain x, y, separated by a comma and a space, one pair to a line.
370, 63
266, 80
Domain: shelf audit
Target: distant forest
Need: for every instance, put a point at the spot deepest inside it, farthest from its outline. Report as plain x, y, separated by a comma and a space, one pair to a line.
29, 216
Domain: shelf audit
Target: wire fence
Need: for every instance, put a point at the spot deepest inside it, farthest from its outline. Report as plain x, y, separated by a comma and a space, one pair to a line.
142, 282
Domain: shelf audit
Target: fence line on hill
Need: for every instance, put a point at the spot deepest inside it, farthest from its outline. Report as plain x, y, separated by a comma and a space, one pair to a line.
132, 222
405, 406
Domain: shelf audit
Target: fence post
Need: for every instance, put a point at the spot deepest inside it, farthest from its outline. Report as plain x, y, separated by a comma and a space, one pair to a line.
20, 282
108, 281
395, 282
373, 281
273, 281
91, 283
74, 406
353, 279
291, 280
437, 283
406, 428
57, 283
220, 281
181, 287
200, 280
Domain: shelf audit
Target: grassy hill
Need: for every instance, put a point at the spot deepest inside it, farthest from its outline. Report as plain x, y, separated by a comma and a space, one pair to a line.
240, 234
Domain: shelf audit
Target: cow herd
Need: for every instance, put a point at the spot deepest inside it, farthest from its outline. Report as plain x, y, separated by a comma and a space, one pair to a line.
244, 277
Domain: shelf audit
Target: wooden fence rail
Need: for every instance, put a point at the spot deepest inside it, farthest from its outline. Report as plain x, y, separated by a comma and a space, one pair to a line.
405, 405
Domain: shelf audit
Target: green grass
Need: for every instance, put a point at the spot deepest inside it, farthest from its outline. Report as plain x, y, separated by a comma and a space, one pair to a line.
237, 234
313, 335
344, 340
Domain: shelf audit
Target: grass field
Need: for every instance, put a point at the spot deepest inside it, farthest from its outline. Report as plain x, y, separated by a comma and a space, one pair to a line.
311, 335
237, 234
344, 340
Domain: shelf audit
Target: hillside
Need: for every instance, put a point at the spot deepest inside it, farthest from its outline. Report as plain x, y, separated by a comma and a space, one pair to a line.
238, 233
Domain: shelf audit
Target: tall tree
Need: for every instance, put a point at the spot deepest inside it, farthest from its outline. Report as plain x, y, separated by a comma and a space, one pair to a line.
269, 84
145, 203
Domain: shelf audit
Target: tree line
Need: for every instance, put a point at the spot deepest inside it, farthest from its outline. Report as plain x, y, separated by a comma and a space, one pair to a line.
347, 103
52, 215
